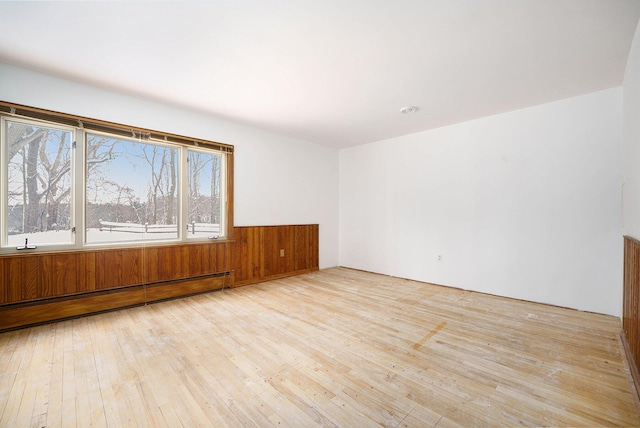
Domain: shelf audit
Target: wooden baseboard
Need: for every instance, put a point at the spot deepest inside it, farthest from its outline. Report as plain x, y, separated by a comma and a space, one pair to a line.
24, 315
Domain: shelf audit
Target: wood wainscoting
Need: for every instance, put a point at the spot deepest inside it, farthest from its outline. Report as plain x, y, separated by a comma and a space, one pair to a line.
42, 287
262, 253
631, 306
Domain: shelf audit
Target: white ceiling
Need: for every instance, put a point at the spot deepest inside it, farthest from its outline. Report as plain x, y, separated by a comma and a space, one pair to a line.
333, 72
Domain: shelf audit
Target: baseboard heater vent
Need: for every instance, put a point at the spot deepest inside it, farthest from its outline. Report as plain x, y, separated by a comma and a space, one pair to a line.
27, 314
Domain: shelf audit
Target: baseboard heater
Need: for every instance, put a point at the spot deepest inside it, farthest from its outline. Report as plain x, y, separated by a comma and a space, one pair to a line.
28, 314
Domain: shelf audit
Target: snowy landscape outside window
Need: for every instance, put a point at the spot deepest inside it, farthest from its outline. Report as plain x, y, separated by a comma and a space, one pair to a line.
204, 201
38, 185
65, 186
132, 190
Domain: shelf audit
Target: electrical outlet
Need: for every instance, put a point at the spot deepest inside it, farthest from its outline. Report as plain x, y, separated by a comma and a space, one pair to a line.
439, 257
282, 252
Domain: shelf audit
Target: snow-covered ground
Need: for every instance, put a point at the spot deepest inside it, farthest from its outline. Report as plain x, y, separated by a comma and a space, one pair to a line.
94, 236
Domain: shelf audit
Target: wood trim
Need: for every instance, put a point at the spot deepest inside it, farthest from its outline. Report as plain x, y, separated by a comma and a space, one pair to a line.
230, 195
34, 313
73, 120
158, 292
631, 307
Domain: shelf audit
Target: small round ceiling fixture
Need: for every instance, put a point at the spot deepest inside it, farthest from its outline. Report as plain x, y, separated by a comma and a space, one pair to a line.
409, 109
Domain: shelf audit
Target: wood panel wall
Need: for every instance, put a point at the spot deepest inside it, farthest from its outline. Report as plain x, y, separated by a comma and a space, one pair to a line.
28, 277
631, 306
261, 253
36, 288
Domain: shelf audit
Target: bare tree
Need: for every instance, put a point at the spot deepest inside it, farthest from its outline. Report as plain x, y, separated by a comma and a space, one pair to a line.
197, 163
19, 135
155, 156
171, 193
54, 171
215, 190
44, 172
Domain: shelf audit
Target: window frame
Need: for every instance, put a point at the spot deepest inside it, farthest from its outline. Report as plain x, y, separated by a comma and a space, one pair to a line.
163, 144
223, 196
80, 128
4, 174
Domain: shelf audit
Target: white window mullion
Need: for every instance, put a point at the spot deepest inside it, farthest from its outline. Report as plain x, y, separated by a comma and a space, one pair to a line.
223, 197
183, 220
78, 180
3, 188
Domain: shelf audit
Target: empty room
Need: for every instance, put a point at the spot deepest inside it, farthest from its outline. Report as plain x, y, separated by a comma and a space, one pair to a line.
320, 213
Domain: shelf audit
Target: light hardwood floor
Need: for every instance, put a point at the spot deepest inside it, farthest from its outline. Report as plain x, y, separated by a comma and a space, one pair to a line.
336, 347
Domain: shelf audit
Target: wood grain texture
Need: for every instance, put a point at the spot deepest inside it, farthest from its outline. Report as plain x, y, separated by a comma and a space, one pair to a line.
15, 316
631, 305
330, 348
43, 287
277, 239
36, 279
247, 254
254, 256
261, 253
230, 196
29, 277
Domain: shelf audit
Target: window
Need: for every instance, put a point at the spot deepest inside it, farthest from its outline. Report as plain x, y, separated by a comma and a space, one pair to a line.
204, 200
131, 190
70, 182
38, 184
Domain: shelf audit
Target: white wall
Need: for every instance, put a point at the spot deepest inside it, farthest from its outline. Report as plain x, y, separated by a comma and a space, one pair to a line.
277, 180
524, 204
631, 168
